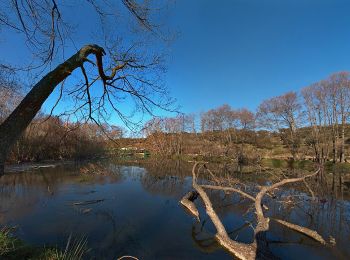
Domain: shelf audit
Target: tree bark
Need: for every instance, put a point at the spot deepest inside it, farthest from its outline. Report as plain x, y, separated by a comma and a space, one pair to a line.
13, 127
259, 248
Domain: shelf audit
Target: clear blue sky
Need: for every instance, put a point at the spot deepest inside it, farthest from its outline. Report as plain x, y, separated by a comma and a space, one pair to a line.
240, 52
243, 51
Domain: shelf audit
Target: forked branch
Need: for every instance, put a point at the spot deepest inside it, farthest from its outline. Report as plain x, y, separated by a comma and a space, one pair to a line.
258, 247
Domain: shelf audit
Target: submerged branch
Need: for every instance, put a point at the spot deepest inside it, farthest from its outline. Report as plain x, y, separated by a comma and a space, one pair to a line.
240, 250
187, 202
303, 230
87, 202
259, 247
231, 189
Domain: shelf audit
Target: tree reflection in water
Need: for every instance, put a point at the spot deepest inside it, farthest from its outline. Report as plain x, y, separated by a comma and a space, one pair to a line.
140, 213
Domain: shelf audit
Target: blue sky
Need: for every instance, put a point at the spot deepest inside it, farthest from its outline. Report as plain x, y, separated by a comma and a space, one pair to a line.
240, 52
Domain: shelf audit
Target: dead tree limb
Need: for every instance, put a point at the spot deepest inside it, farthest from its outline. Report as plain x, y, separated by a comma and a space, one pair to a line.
231, 189
309, 189
240, 250
263, 223
303, 230
259, 247
187, 202
87, 202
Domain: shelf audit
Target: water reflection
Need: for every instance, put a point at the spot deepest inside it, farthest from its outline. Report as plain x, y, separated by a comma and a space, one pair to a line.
137, 212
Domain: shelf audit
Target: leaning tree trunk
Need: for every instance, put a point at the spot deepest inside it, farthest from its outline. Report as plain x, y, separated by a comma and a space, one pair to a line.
13, 127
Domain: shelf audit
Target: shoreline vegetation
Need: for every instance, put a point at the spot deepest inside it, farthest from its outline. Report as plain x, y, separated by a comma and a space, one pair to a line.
12, 247
263, 163
295, 126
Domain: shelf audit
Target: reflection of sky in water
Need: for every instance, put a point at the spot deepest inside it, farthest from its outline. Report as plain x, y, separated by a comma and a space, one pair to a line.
140, 215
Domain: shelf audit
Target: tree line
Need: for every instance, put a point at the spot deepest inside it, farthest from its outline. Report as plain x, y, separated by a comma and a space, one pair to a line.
310, 123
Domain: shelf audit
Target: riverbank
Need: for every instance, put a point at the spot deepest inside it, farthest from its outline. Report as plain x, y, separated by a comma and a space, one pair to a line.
12, 247
28, 166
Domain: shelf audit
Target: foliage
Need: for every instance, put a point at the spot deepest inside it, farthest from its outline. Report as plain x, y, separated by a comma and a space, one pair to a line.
52, 138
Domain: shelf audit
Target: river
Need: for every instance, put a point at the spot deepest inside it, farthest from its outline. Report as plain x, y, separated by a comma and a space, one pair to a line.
135, 210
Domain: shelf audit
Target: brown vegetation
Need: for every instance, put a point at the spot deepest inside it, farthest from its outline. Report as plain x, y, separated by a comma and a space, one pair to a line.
310, 125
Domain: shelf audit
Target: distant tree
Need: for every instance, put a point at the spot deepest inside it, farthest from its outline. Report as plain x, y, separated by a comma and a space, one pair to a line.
315, 102
190, 123
246, 119
155, 134
166, 134
327, 106
340, 83
218, 119
282, 112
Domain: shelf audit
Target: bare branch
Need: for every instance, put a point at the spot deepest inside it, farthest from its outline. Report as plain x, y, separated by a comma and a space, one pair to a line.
303, 230
259, 246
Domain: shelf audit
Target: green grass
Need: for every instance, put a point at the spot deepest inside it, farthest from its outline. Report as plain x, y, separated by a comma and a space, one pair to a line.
279, 163
13, 248
308, 165
304, 165
337, 167
274, 163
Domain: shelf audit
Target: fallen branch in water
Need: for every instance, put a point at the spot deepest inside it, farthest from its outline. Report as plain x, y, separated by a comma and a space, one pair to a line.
231, 189
303, 230
259, 247
263, 223
187, 202
240, 250
310, 190
87, 202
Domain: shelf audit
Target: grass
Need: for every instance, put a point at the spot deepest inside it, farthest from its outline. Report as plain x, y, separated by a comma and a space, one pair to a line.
343, 168
280, 163
337, 167
274, 163
304, 165
13, 248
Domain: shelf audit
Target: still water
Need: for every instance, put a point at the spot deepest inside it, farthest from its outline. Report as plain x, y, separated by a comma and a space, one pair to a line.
135, 210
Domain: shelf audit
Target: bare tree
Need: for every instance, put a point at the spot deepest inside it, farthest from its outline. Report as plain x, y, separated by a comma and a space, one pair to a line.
155, 134
246, 119
315, 103
166, 135
129, 73
190, 123
218, 119
326, 103
340, 84
10, 93
282, 112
